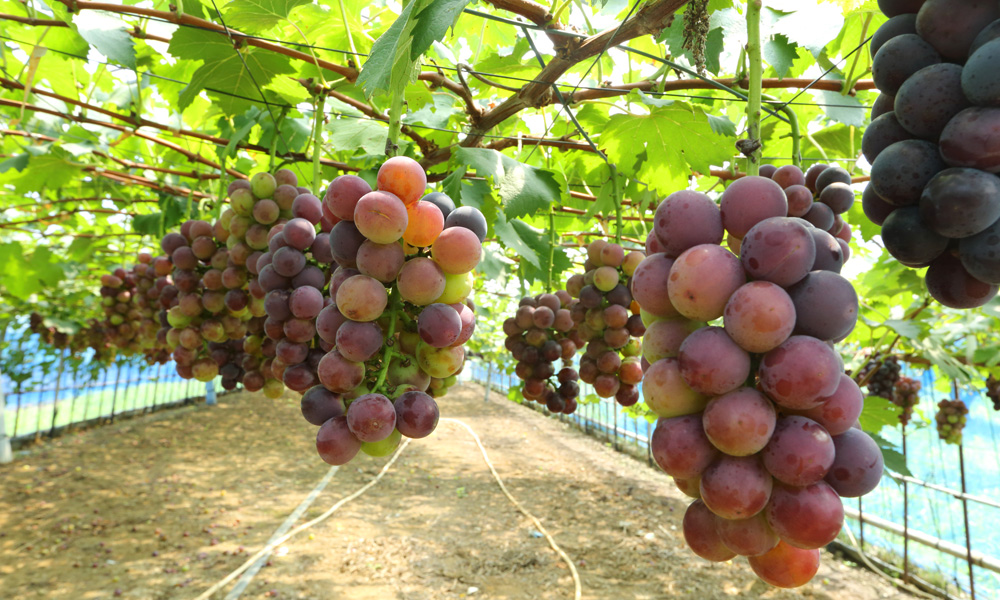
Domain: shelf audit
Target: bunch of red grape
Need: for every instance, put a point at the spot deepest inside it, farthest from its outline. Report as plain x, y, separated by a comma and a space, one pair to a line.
608, 321
756, 415
881, 375
400, 313
950, 420
993, 391
293, 274
210, 306
906, 395
934, 144
255, 207
540, 333
121, 316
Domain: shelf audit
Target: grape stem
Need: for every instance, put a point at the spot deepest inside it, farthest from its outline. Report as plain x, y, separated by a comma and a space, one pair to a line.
387, 356
754, 87
552, 249
395, 125
617, 193
317, 142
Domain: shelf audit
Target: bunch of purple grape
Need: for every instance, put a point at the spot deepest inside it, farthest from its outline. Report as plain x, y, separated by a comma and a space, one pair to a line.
934, 144
608, 321
399, 311
906, 395
756, 415
950, 420
540, 333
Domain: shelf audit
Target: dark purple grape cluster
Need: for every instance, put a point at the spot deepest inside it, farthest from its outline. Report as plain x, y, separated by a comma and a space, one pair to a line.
906, 395
993, 391
608, 321
880, 375
541, 332
950, 420
934, 144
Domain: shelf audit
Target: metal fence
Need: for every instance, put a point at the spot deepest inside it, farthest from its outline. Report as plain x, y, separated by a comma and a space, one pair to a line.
938, 530
75, 398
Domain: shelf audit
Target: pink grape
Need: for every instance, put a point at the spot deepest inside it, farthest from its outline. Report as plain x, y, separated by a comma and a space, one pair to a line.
739, 423
439, 325
736, 487
680, 447
711, 363
425, 224
416, 414
371, 417
343, 194
747, 537
338, 374
335, 443
780, 250
358, 341
702, 279
857, 468
362, 298
759, 316
786, 566
805, 517
381, 217
667, 394
381, 261
748, 201
800, 451
700, 533
685, 219
663, 339
420, 281
840, 410
650, 285
800, 372
457, 250
404, 177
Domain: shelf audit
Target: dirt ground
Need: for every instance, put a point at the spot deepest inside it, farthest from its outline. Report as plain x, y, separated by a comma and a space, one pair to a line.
164, 506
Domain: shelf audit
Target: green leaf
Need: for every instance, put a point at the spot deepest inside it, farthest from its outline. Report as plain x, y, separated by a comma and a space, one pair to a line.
509, 237
109, 35
673, 139
389, 66
780, 54
432, 23
894, 459
878, 413
524, 190
365, 134
539, 242
258, 15
842, 108
18, 163
240, 81
811, 25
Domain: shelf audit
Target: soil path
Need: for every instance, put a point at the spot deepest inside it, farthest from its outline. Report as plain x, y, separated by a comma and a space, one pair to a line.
166, 505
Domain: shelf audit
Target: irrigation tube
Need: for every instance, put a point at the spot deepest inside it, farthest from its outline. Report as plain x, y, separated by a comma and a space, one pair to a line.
249, 574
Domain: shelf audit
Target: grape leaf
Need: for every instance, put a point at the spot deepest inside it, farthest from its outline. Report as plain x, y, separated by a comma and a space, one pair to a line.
258, 15
674, 139
811, 25
893, 458
108, 34
389, 66
780, 54
524, 190
539, 242
432, 23
228, 73
878, 413
367, 135
842, 108
509, 237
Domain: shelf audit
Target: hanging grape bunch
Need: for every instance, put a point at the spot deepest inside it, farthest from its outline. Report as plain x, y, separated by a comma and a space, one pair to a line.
934, 144
400, 313
254, 206
540, 333
756, 414
204, 312
293, 275
147, 294
906, 395
121, 315
993, 391
950, 420
608, 322
881, 375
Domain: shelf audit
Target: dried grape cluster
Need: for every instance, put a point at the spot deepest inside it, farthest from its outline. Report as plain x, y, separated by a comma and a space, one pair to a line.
934, 144
756, 415
541, 332
906, 395
950, 420
608, 321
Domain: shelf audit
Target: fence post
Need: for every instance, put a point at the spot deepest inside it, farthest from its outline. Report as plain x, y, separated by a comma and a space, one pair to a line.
114, 395
210, 393
6, 455
489, 377
55, 398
